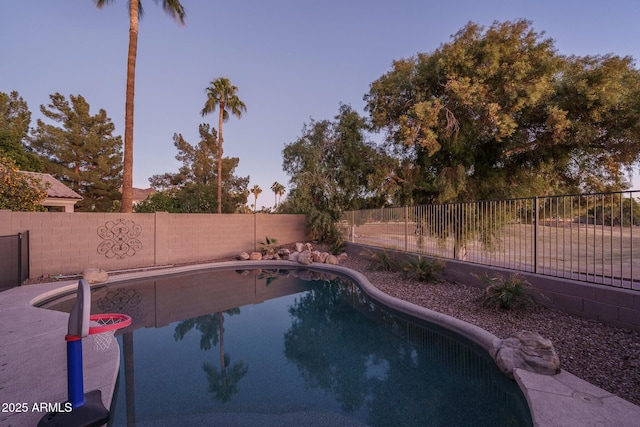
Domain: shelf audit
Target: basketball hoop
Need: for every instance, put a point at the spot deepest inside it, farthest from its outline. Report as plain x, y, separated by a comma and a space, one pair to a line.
102, 327
86, 409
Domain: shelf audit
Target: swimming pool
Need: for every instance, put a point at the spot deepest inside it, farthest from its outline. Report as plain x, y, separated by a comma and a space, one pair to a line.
288, 347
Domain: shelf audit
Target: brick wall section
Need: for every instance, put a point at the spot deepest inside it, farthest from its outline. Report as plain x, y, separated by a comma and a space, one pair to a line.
67, 243
613, 306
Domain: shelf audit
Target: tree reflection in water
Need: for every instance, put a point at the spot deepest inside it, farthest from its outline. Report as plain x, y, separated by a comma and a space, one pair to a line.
224, 382
364, 363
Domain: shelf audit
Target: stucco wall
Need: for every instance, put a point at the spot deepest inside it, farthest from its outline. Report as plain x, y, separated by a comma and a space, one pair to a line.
67, 243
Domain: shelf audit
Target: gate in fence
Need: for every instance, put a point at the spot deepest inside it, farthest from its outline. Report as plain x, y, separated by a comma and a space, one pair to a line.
587, 237
14, 260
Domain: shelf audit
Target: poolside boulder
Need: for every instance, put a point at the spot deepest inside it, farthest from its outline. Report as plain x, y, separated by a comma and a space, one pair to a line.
255, 256
305, 258
95, 275
529, 351
284, 253
318, 256
243, 256
332, 259
293, 256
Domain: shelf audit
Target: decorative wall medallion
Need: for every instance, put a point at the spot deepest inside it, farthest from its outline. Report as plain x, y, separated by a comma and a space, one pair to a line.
120, 239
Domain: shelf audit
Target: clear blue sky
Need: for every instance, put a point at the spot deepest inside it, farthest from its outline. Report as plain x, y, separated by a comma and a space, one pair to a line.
292, 60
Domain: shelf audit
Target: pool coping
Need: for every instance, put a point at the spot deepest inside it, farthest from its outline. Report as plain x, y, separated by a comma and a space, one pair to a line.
30, 335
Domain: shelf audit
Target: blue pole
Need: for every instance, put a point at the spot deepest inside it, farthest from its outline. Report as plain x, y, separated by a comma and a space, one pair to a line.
75, 384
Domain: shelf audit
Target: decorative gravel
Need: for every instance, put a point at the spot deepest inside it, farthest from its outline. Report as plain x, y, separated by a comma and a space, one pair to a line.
606, 356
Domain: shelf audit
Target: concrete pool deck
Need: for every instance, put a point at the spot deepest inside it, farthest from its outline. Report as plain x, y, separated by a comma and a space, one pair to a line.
33, 358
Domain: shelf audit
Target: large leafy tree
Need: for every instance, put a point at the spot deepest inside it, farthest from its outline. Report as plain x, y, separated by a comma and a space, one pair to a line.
498, 113
19, 191
601, 97
178, 13
221, 94
194, 187
334, 167
15, 119
80, 150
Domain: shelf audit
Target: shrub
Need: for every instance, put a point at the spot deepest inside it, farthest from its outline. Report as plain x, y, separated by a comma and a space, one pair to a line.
383, 261
337, 245
512, 293
20, 192
424, 269
269, 245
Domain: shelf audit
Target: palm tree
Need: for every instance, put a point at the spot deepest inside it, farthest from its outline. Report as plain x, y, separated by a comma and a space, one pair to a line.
255, 191
223, 94
177, 12
278, 190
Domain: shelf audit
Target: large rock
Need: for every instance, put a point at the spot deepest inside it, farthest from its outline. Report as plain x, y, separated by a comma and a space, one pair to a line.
284, 253
529, 351
293, 256
95, 275
318, 256
331, 259
255, 256
299, 247
243, 256
305, 258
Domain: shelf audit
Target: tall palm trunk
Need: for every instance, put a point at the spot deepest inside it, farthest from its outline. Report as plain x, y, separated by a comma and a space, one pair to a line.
223, 368
127, 174
220, 117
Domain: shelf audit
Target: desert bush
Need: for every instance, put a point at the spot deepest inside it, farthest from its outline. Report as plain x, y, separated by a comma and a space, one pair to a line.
383, 261
424, 269
269, 245
513, 293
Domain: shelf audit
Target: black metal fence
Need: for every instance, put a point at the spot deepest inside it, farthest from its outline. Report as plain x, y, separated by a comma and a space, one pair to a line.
588, 237
14, 260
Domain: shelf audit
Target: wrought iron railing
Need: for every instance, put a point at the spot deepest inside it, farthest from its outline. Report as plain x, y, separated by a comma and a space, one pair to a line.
586, 237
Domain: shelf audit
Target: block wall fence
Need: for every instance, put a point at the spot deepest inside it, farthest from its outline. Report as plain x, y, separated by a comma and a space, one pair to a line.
67, 243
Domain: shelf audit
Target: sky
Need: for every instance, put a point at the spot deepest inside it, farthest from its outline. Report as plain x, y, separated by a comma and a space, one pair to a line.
292, 61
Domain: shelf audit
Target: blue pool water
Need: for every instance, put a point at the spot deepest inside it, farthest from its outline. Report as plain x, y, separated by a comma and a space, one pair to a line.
271, 348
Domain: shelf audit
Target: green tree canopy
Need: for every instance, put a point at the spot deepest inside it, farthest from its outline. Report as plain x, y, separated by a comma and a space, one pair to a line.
334, 167
498, 113
193, 188
19, 192
81, 151
15, 119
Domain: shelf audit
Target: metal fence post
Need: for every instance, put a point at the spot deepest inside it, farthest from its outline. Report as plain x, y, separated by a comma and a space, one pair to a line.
353, 226
406, 228
535, 234
19, 259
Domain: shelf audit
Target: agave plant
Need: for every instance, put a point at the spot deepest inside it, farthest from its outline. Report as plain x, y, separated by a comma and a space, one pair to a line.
383, 261
513, 293
423, 269
269, 245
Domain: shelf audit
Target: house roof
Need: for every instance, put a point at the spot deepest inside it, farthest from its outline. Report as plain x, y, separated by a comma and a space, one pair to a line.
56, 188
140, 194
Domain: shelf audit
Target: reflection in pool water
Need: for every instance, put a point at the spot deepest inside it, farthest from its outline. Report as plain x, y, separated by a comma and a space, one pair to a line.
267, 347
